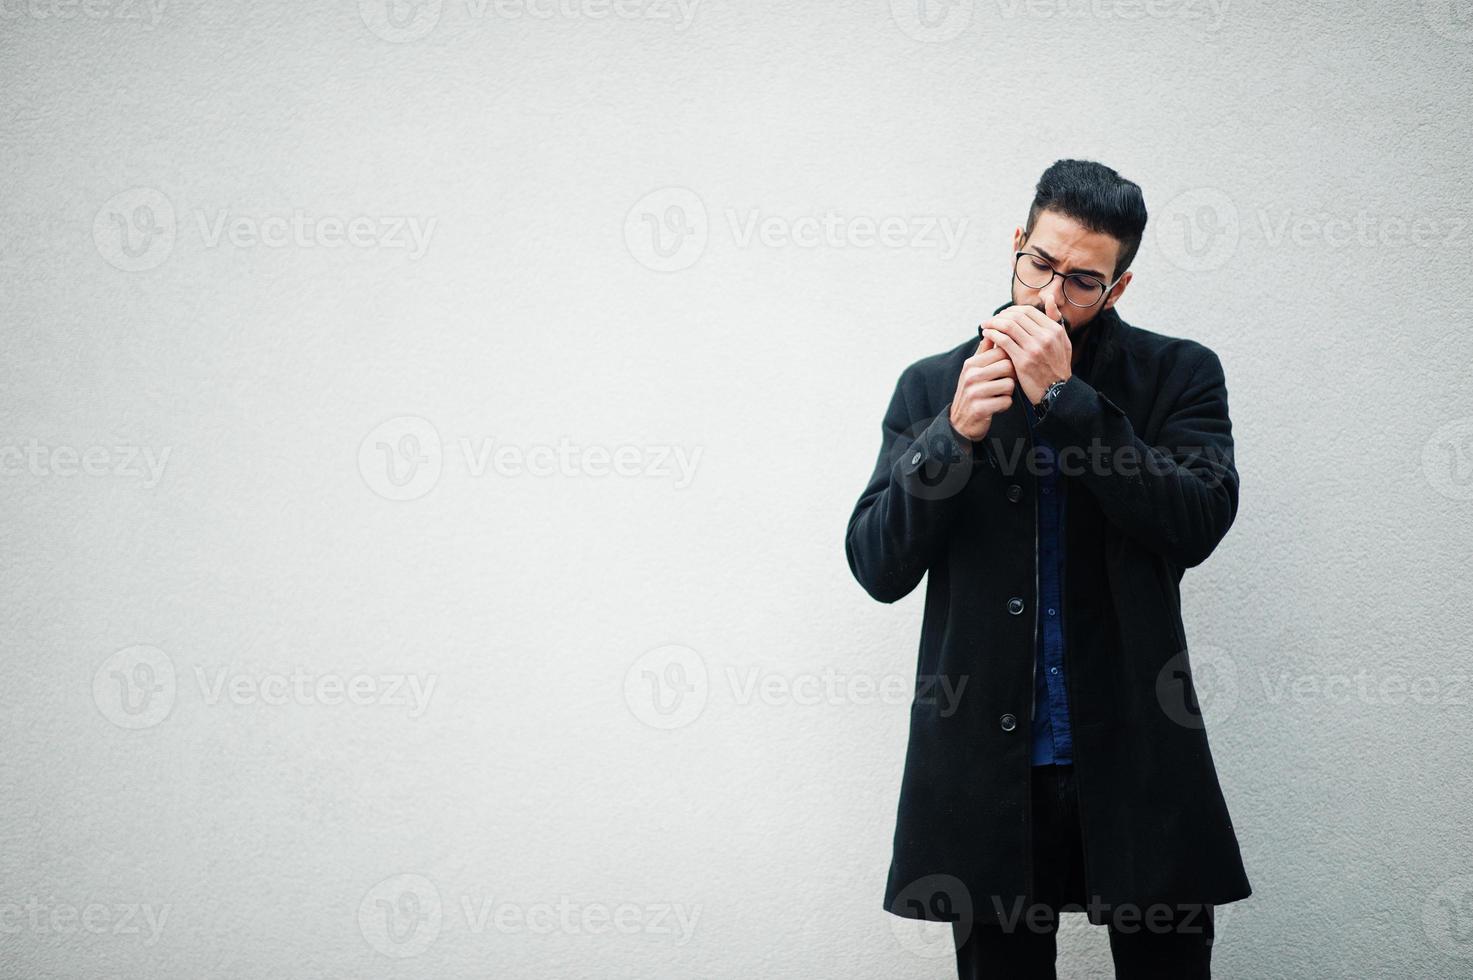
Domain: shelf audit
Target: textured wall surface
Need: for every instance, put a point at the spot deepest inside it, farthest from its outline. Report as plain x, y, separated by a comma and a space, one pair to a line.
429, 430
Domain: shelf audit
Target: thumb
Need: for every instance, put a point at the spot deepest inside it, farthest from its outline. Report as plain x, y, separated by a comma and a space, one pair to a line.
986, 342
1050, 308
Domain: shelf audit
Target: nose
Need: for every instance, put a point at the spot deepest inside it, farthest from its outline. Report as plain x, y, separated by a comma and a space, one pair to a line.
1055, 290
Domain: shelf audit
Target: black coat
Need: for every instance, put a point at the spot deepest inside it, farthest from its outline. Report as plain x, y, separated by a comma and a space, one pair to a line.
1156, 828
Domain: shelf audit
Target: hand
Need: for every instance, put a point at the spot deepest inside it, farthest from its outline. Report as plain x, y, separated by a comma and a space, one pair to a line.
984, 388
1038, 346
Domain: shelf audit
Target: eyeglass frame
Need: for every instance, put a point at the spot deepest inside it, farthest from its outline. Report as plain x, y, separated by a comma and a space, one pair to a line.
1105, 291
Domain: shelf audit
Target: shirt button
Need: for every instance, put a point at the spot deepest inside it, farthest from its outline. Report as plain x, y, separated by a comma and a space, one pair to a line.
1015, 493
1048, 489
1015, 605
1050, 612
1053, 670
1007, 722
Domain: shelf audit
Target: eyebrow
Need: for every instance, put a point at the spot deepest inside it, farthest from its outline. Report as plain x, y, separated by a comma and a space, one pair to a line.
1081, 272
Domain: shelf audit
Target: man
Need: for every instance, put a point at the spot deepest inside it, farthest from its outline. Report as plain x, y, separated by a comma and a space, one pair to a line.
1055, 479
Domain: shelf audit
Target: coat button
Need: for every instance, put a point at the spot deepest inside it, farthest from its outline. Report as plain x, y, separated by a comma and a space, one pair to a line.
915, 459
1015, 605
1015, 493
1007, 722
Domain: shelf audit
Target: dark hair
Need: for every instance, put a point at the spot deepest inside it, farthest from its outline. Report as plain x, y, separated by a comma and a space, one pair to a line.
1098, 198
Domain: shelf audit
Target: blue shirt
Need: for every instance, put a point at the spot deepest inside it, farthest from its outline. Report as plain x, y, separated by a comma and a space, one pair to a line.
1053, 743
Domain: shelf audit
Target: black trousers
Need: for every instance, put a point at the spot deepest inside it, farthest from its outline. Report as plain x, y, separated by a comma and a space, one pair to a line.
1148, 943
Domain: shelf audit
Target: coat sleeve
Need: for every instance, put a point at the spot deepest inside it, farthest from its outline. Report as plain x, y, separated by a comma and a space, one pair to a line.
1178, 498
903, 516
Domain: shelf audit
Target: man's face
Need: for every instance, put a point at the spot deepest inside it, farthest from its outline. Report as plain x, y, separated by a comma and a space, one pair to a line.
1070, 248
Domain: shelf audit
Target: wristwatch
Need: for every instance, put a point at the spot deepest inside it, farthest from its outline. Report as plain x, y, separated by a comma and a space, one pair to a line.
1047, 401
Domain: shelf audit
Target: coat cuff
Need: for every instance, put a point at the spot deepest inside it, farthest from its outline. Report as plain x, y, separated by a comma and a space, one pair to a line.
939, 457
1075, 414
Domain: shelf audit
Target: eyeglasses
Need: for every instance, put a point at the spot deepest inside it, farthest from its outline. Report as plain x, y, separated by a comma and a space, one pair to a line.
1036, 272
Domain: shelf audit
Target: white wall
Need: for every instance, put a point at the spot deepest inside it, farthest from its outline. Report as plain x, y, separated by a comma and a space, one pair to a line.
1290, 154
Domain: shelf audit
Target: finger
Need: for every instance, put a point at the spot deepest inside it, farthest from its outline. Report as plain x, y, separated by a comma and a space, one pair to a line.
983, 343
996, 406
1039, 324
1052, 309
1017, 332
1004, 339
1032, 327
1001, 367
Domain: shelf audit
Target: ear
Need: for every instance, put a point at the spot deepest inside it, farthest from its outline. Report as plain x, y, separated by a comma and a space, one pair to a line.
1017, 241
1118, 291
